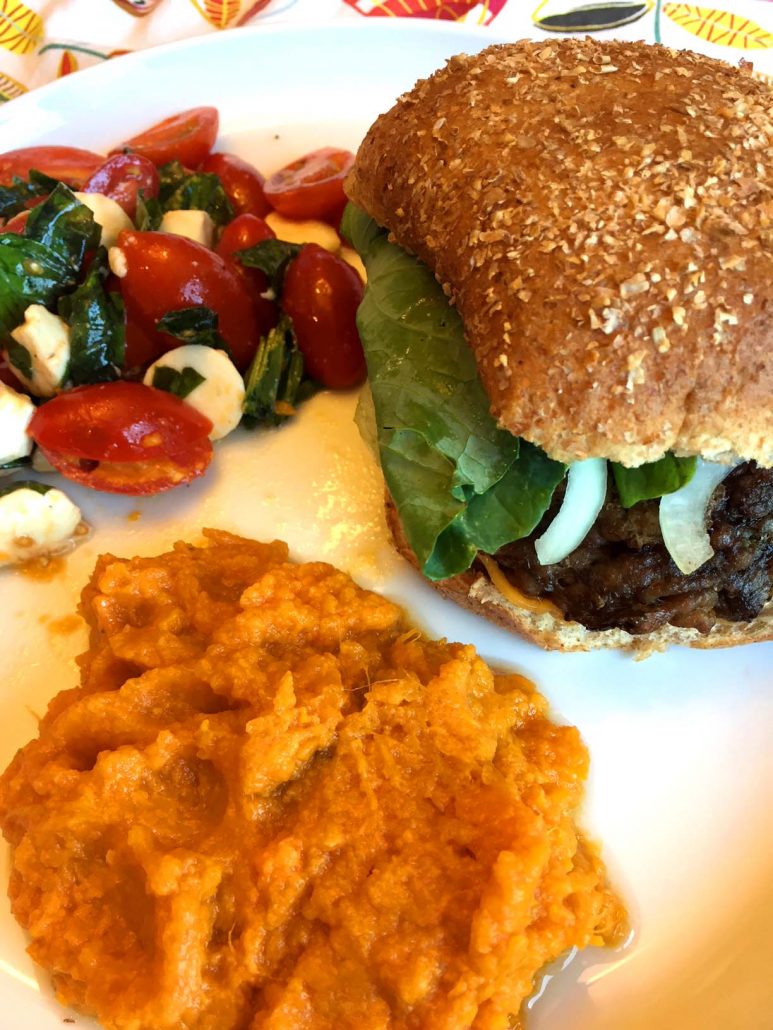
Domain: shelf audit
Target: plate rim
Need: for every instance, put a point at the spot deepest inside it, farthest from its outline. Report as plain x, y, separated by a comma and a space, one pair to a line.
14, 109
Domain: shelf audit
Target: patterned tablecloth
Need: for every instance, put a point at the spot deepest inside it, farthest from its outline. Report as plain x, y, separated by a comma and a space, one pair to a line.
41, 40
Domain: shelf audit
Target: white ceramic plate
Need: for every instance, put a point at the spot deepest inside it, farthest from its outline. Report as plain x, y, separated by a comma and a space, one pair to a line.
682, 778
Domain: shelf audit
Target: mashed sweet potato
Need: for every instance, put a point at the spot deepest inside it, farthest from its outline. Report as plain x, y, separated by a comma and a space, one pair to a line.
271, 804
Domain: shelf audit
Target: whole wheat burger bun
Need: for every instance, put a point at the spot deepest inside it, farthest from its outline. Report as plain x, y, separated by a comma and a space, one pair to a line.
475, 591
602, 216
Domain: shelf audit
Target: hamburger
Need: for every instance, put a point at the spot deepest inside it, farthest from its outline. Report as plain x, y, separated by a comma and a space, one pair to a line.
568, 327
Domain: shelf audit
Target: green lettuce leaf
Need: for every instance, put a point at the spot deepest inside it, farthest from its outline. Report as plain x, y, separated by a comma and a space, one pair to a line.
461, 484
653, 479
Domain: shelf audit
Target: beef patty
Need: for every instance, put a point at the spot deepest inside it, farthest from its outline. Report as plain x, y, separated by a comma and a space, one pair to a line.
622, 576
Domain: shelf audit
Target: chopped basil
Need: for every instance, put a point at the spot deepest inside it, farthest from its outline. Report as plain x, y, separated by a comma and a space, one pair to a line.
149, 213
182, 190
64, 225
96, 321
30, 273
274, 382
15, 197
19, 357
271, 257
25, 484
193, 325
11, 466
179, 382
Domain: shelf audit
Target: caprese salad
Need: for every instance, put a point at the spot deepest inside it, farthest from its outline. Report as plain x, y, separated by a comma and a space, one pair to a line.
153, 299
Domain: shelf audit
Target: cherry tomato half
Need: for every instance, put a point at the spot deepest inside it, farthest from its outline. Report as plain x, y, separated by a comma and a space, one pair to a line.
242, 183
165, 273
17, 223
186, 137
312, 186
121, 177
69, 164
122, 437
245, 231
321, 295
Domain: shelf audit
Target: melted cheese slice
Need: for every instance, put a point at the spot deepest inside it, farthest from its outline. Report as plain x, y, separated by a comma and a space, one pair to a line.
513, 594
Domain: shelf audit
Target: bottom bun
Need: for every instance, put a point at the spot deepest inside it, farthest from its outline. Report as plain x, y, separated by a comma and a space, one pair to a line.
475, 591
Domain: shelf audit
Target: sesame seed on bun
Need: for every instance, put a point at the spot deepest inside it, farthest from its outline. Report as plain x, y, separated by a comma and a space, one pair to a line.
601, 214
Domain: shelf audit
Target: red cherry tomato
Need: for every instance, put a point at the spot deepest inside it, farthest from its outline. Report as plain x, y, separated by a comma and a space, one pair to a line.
69, 164
17, 223
121, 178
312, 186
321, 295
165, 273
242, 183
187, 137
245, 231
142, 347
124, 438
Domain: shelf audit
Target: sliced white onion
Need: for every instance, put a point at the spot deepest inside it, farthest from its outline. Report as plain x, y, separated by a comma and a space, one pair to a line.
586, 489
683, 517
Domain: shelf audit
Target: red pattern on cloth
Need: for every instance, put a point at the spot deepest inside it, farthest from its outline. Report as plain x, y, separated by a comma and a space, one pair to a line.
439, 10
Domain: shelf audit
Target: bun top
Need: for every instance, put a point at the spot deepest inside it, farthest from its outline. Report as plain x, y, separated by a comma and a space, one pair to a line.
602, 216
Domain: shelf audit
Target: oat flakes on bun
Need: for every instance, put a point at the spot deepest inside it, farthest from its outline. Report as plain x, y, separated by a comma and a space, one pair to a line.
568, 326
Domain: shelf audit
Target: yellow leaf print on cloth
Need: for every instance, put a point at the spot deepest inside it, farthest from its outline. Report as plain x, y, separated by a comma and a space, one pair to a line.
10, 88
719, 27
219, 13
21, 29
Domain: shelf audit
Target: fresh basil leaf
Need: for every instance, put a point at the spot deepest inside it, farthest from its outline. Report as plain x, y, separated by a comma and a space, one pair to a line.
25, 484
193, 325
652, 480
274, 381
460, 483
170, 177
96, 321
271, 257
15, 197
9, 467
19, 357
44, 183
30, 273
181, 190
64, 225
149, 213
179, 382
291, 383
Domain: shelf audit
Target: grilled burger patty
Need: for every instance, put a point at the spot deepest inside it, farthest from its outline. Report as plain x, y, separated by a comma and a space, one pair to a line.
622, 575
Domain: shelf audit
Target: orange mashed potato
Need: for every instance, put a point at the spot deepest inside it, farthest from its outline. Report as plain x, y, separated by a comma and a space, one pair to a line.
272, 804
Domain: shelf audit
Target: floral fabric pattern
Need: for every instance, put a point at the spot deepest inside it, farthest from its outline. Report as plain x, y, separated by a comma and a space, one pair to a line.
41, 40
